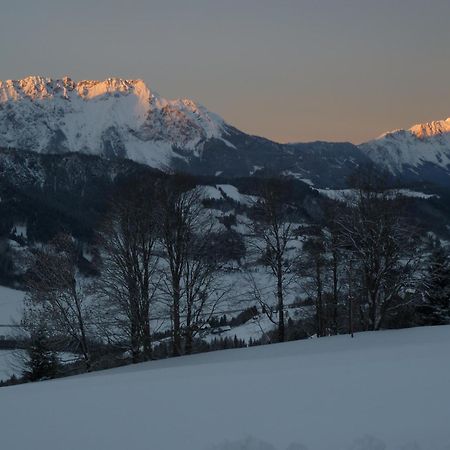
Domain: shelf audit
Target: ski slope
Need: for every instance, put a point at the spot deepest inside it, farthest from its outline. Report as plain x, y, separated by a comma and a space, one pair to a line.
385, 390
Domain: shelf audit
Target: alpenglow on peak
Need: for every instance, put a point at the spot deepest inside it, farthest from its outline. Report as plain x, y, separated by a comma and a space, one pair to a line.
113, 117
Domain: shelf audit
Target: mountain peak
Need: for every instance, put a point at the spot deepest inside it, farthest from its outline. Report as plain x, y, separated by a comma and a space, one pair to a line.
113, 117
38, 87
421, 130
415, 149
429, 129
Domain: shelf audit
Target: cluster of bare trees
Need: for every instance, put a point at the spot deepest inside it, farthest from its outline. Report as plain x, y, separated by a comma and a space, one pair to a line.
366, 261
155, 257
359, 265
56, 304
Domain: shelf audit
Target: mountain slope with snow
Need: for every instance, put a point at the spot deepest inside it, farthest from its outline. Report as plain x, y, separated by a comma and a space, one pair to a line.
384, 390
114, 117
420, 153
126, 119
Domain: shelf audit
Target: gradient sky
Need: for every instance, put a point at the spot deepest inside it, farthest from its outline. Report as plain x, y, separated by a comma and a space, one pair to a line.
288, 70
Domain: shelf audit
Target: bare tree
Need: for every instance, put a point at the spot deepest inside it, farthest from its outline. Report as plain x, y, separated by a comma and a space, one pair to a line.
315, 265
381, 242
272, 235
56, 299
129, 276
180, 211
203, 290
333, 246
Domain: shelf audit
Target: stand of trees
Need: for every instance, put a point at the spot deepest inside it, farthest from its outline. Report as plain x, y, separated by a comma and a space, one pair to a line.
160, 256
56, 300
382, 244
365, 264
125, 290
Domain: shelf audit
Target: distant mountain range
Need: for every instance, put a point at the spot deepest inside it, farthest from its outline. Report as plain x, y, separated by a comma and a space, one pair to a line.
118, 118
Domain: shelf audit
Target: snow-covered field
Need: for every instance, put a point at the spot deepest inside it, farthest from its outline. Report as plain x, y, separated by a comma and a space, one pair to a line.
385, 390
8, 366
11, 305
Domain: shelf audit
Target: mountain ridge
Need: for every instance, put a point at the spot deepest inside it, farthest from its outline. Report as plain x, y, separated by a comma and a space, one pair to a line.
114, 117
419, 152
124, 118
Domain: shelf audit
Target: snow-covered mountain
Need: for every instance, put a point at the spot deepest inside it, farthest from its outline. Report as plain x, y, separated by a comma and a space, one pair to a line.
114, 117
125, 119
420, 153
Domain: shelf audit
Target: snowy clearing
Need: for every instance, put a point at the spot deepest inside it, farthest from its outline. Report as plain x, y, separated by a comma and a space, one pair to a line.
383, 390
349, 195
7, 365
11, 306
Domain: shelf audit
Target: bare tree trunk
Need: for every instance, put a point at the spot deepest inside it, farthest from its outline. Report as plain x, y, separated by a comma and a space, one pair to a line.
350, 299
319, 302
146, 338
188, 333
281, 326
176, 341
135, 350
335, 293
84, 341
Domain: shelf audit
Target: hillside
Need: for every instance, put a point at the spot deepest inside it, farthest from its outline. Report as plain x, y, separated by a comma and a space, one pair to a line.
385, 390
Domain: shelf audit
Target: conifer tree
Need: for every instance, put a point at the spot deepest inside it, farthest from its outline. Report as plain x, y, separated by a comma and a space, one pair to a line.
42, 361
435, 310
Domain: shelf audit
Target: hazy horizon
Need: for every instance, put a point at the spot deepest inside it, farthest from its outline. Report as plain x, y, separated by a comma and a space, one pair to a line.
339, 70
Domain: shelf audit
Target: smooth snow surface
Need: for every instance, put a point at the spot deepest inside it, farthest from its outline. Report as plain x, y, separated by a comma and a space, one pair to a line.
385, 390
11, 305
349, 195
7, 364
223, 191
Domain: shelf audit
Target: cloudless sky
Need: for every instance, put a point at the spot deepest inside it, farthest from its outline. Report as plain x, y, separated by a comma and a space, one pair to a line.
290, 70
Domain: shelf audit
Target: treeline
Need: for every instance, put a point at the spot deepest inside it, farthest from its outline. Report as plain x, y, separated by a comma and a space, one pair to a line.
369, 266
362, 265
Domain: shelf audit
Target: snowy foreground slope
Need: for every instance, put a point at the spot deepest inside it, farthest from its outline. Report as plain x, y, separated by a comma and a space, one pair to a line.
384, 390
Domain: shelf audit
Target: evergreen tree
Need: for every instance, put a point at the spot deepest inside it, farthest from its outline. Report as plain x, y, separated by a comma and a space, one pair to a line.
42, 360
435, 309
